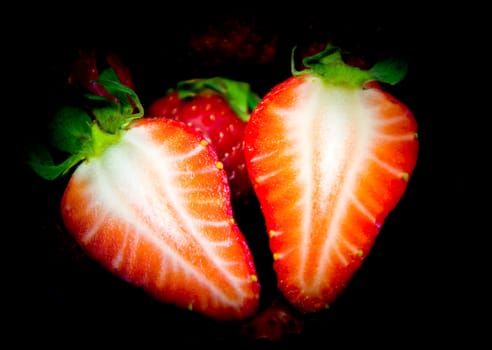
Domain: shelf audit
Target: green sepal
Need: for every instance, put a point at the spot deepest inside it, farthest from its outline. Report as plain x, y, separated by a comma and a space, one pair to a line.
329, 65
116, 113
390, 71
40, 160
238, 94
70, 129
84, 132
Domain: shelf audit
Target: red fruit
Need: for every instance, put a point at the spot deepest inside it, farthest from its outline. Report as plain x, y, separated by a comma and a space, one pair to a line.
219, 109
330, 156
89, 63
150, 202
275, 323
121, 69
232, 40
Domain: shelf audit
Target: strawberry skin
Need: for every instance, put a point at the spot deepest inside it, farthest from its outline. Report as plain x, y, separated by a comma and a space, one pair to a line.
329, 161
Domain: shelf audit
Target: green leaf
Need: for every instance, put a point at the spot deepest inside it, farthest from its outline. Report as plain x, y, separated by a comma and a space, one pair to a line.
125, 95
238, 94
70, 129
240, 97
329, 65
390, 71
85, 132
116, 114
40, 160
109, 116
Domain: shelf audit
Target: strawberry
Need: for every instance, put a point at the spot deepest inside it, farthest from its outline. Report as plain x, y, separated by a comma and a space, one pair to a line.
330, 154
86, 69
274, 323
234, 40
148, 199
219, 108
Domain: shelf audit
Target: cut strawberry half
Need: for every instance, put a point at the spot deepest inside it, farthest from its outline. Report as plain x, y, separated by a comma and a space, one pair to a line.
149, 200
330, 156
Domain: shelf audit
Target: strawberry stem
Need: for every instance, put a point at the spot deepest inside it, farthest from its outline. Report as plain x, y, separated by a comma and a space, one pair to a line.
329, 65
101, 140
238, 94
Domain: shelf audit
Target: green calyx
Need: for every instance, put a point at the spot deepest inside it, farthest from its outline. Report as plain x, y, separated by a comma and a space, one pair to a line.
83, 132
330, 65
238, 94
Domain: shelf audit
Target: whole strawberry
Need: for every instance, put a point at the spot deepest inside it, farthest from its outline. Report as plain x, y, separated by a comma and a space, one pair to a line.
87, 67
219, 108
235, 40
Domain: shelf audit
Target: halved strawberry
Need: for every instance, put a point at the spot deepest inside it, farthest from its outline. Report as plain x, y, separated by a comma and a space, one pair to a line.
330, 155
148, 199
219, 108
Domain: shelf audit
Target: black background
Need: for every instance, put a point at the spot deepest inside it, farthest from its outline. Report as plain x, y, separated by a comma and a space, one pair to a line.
408, 291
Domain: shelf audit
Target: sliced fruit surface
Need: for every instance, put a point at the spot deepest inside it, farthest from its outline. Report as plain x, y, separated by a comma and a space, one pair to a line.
328, 164
154, 208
